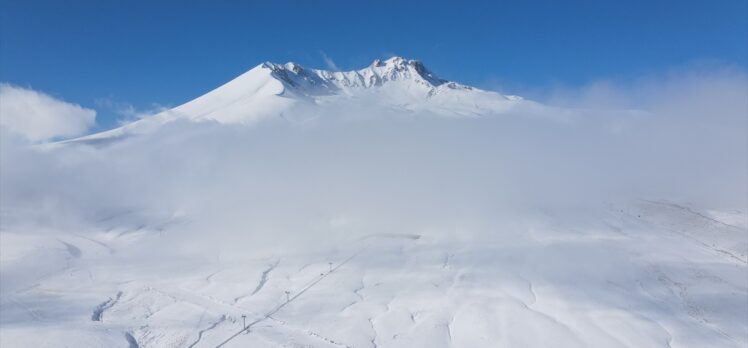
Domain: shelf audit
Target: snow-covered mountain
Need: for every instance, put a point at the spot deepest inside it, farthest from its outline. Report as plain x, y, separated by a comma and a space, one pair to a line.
272, 90
382, 207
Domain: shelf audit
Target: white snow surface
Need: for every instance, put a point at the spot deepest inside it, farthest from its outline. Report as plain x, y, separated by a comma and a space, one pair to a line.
599, 283
383, 207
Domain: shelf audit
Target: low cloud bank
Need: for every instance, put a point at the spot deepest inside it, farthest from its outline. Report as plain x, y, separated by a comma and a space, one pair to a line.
684, 140
39, 117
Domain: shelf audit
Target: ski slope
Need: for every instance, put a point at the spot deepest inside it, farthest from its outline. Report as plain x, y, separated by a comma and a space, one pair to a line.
627, 278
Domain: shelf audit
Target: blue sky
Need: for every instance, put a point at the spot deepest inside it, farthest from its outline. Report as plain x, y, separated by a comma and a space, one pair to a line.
143, 53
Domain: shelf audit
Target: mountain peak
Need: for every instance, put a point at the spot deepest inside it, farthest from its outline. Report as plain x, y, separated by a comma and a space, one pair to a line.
379, 73
395, 61
398, 64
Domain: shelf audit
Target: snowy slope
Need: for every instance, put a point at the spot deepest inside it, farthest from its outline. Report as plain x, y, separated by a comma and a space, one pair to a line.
602, 283
270, 91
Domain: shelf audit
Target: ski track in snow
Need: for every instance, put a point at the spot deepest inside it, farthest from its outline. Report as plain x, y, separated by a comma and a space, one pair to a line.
328, 340
694, 212
311, 333
98, 242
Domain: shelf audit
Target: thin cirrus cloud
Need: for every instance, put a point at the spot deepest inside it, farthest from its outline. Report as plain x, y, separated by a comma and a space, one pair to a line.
329, 62
126, 112
39, 116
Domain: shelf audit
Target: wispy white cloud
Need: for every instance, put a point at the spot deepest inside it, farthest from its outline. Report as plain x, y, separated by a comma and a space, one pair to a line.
127, 112
329, 62
39, 116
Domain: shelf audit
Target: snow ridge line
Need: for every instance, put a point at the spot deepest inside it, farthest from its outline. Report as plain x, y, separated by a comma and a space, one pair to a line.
131, 341
211, 327
264, 277
694, 212
291, 299
99, 310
